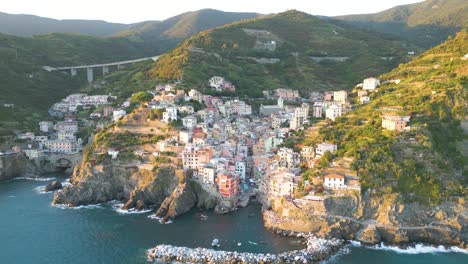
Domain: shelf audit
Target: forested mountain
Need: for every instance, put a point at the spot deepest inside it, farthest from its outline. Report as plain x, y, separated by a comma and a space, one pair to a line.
426, 23
290, 49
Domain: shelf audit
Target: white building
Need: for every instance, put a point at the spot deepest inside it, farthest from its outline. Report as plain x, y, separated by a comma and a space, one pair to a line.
317, 111
333, 112
237, 107
307, 153
61, 146
340, 96
67, 126
240, 169
334, 181
324, 147
113, 153
117, 114
66, 135
364, 99
170, 114
185, 136
300, 115
46, 126
370, 83
288, 158
207, 173
189, 122
186, 109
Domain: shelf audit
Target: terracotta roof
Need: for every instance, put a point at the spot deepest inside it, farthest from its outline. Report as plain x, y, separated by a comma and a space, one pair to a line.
334, 176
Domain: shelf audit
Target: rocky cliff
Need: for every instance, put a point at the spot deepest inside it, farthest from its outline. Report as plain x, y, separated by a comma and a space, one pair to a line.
16, 165
161, 188
374, 219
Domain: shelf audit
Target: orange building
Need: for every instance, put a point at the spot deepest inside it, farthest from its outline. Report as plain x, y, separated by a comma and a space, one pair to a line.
228, 185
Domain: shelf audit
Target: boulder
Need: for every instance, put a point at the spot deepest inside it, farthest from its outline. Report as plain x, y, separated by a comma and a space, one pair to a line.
52, 186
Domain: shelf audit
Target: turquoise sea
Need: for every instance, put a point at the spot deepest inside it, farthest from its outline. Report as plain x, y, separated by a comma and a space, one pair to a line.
33, 231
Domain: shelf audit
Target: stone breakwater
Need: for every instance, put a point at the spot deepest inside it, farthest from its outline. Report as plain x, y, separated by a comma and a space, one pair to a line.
316, 251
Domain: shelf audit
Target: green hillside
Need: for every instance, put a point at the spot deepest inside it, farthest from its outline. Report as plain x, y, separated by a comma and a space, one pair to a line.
428, 163
425, 24
231, 50
33, 90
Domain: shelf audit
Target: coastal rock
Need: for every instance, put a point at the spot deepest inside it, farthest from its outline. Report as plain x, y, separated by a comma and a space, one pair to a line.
52, 186
181, 201
114, 181
373, 219
16, 165
369, 235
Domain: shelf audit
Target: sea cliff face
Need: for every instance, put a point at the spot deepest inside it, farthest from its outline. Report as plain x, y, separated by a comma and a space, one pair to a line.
162, 188
16, 165
373, 220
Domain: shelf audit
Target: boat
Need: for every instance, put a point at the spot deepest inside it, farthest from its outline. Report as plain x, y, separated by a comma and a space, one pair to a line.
253, 243
251, 215
215, 243
239, 244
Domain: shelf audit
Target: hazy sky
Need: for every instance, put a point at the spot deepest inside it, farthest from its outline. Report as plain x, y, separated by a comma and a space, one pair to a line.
129, 11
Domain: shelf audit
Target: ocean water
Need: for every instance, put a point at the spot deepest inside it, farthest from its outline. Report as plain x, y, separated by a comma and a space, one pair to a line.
33, 231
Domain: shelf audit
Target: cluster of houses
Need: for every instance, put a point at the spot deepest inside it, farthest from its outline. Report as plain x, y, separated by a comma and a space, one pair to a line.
227, 148
71, 103
53, 138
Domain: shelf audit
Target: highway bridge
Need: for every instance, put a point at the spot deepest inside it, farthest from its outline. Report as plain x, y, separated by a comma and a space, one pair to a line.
90, 68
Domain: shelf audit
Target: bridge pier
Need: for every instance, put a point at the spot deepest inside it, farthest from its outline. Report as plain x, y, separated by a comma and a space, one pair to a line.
73, 72
89, 74
105, 70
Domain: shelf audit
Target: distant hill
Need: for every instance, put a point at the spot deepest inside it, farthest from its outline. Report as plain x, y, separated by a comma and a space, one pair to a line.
172, 30
290, 49
29, 25
425, 24
186, 24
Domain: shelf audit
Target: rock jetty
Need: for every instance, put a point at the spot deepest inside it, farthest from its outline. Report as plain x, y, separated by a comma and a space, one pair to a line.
316, 251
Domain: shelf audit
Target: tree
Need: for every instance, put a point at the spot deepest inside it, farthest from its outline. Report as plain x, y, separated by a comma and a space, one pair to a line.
141, 97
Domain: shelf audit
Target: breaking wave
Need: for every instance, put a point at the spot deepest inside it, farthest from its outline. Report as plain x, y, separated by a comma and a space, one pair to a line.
35, 178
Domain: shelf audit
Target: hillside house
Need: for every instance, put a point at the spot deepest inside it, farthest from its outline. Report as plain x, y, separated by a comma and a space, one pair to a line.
397, 123
324, 147
370, 83
334, 181
333, 112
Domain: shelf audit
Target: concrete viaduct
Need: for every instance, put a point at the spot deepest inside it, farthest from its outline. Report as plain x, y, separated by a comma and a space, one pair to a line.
89, 68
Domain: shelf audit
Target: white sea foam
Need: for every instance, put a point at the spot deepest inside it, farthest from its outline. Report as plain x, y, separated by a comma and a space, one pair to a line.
159, 219
40, 190
11, 196
117, 207
66, 182
419, 249
90, 206
35, 178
